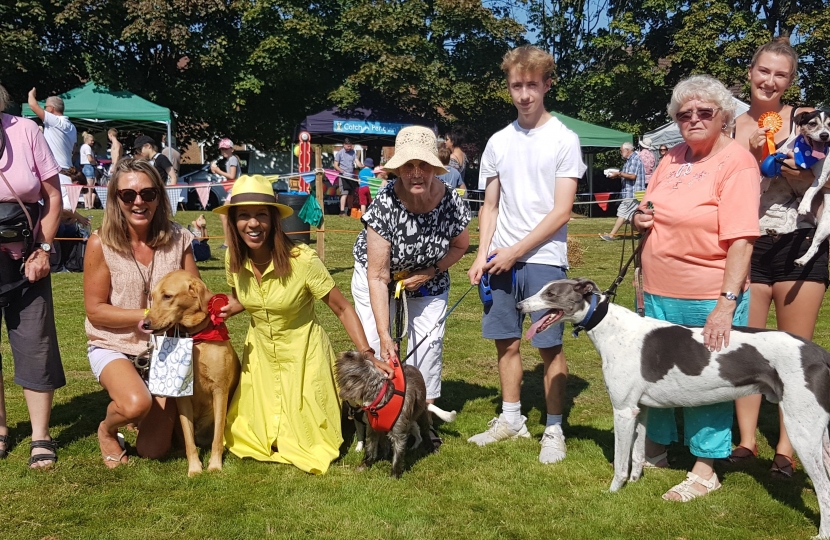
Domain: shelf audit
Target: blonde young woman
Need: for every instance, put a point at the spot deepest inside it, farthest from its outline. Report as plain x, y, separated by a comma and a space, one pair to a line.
135, 247
797, 292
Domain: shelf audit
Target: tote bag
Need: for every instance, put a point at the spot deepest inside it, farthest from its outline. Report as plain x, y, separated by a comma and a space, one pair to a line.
171, 367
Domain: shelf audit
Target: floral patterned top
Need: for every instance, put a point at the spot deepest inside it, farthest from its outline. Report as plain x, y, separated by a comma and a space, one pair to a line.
418, 241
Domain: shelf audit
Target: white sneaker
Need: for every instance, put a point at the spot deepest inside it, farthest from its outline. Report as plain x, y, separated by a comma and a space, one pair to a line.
553, 445
498, 430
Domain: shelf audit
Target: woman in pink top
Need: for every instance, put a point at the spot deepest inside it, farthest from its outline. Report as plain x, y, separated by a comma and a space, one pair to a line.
135, 247
702, 227
26, 163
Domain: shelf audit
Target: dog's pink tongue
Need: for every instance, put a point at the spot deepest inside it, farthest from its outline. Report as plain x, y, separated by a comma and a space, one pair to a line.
818, 149
534, 328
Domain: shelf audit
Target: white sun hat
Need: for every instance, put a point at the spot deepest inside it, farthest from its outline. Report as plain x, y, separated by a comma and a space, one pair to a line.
647, 144
415, 142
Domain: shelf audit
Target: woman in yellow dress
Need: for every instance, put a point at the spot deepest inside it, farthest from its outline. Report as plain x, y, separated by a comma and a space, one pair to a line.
286, 408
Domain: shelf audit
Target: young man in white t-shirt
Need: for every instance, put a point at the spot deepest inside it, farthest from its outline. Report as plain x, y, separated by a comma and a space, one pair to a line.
529, 171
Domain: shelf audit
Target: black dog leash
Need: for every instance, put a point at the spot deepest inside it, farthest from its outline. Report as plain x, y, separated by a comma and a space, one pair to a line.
611, 292
400, 331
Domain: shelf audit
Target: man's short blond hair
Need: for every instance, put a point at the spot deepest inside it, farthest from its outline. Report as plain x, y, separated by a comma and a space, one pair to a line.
529, 58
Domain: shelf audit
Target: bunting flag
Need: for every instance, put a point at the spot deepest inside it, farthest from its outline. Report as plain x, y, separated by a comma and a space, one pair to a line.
204, 194
331, 176
602, 199
73, 193
102, 195
173, 195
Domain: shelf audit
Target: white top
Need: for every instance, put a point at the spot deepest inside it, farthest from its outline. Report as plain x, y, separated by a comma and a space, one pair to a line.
528, 162
86, 150
61, 137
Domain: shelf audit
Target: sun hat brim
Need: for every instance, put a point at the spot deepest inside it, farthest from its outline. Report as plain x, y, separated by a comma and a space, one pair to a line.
408, 154
284, 210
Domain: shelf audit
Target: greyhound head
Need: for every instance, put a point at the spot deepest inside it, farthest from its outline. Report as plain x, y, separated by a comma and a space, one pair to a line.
566, 300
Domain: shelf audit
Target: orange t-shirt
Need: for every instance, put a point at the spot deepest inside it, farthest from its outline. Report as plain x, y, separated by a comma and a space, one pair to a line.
699, 209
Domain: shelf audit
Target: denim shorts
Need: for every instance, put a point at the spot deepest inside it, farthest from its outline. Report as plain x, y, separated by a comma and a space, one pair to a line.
503, 321
89, 171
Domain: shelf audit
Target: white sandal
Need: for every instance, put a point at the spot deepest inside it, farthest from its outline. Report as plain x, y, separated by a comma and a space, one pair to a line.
687, 493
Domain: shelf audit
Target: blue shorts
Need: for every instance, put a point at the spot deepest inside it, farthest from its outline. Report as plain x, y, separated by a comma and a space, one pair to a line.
89, 171
503, 321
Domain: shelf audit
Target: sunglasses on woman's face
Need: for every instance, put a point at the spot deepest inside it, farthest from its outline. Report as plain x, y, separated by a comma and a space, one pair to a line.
128, 196
702, 114
664, 150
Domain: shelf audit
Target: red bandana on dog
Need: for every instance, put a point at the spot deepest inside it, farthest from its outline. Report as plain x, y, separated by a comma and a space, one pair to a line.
216, 329
384, 417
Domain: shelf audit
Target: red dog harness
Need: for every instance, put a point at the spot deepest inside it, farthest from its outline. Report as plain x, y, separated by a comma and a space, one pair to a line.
383, 417
216, 329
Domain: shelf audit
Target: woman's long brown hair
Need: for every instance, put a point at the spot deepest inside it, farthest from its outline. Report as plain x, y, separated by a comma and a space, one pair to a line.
282, 247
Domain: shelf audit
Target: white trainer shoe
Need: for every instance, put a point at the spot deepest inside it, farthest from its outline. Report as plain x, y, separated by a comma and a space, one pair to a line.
498, 430
553, 445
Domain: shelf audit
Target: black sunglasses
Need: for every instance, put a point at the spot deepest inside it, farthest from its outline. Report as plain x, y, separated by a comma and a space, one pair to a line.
664, 150
702, 114
128, 196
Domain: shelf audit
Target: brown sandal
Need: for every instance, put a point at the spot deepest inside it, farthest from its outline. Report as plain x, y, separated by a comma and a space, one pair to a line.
742, 453
786, 470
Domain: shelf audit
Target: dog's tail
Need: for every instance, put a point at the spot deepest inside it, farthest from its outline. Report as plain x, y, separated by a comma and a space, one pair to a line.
441, 413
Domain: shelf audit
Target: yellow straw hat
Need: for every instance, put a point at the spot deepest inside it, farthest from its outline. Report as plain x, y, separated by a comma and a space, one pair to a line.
415, 142
249, 190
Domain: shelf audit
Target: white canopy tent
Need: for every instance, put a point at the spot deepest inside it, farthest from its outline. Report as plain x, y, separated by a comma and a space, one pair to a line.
669, 134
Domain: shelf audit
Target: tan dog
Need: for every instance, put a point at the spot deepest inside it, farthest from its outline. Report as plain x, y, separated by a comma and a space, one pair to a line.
183, 299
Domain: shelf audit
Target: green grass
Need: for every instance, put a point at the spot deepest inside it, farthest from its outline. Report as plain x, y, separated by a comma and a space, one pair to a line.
500, 491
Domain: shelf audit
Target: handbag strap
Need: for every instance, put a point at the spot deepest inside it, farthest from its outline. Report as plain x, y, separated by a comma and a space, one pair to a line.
3, 176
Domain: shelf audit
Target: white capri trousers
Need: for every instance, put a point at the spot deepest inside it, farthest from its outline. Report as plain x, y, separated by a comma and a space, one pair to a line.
424, 313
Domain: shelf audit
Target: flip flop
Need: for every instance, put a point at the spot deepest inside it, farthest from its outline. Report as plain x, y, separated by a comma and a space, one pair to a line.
652, 462
117, 459
786, 470
742, 453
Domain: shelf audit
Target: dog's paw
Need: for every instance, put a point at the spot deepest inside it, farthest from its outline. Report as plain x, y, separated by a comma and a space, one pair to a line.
803, 209
359, 446
802, 260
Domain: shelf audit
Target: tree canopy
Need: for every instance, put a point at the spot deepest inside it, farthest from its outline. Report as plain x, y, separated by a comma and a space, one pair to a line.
252, 69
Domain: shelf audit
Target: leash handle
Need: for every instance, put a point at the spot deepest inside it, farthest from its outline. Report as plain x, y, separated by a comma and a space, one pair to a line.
440, 321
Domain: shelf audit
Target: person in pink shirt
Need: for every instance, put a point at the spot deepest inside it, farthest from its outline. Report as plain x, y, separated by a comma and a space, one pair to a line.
647, 157
29, 174
701, 229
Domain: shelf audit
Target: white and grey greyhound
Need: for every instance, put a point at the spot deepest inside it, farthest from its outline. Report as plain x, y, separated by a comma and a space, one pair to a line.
652, 363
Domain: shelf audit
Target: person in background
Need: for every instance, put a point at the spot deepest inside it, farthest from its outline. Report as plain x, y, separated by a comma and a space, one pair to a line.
364, 192
454, 142
135, 247
61, 136
171, 153
201, 248
646, 155
529, 172
663, 151
116, 148
88, 164
380, 172
345, 161
232, 168
452, 177
695, 263
29, 167
633, 177
147, 148
796, 291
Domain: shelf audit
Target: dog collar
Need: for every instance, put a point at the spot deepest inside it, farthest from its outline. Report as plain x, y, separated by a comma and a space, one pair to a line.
596, 312
383, 416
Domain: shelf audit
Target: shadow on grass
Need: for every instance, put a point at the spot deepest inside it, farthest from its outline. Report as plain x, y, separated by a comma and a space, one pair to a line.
81, 416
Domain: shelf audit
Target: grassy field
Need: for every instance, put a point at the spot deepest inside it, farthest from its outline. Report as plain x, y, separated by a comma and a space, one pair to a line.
500, 491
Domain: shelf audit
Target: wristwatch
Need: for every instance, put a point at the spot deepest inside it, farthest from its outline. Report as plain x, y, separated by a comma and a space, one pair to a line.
45, 246
729, 295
